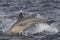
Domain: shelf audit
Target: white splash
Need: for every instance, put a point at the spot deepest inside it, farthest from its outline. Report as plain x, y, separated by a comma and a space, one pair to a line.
7, 28
45, 27
41, 27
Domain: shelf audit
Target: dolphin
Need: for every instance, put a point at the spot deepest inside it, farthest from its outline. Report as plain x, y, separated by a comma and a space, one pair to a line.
23, 24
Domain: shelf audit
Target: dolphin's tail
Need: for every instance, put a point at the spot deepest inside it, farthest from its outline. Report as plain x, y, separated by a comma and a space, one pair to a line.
50, 22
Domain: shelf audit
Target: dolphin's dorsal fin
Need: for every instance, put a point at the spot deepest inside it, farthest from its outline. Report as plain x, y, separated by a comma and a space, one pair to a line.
20, 16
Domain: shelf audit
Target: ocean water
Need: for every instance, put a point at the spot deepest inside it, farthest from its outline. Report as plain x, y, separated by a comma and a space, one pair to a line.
48, 9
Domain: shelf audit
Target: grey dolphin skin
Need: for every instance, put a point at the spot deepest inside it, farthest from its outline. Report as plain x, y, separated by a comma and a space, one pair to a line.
24, 23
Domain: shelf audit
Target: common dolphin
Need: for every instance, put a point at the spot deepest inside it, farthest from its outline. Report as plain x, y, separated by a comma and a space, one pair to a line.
24, 23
